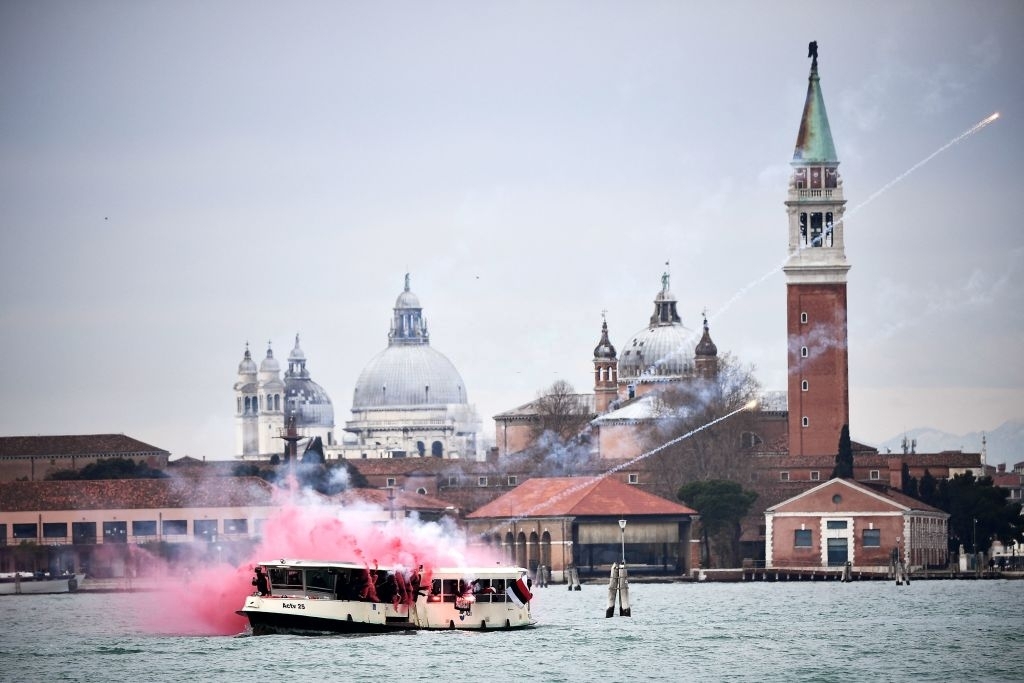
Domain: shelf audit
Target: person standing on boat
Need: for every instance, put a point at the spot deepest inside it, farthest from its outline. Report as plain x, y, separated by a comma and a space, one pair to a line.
261, 583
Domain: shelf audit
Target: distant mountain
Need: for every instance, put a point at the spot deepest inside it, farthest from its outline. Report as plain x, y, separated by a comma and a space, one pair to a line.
1005, 443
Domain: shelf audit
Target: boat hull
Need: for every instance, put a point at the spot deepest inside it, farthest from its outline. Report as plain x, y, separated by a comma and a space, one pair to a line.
302, 615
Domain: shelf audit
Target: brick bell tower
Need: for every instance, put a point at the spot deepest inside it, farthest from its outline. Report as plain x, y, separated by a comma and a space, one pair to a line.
819, 398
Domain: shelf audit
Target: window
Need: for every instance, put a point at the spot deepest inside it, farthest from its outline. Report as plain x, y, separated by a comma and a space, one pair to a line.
513, 480
26, 531
783, 476
453, 481
803, 317
802, 538
835, 524
815, 475
206, 529
750, 440
144, 528
437, 449
236, 526
804, 421
633, 478
873, 474
391, 481
55, 530
175, 527
872, 538
115, 532
803, 352
83, 532
422, 491
804, 385
481, 481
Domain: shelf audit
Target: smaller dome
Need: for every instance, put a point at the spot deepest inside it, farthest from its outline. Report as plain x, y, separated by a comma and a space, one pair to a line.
270, 363
407, 300
604, 348
706, 347
248, 365
296, 353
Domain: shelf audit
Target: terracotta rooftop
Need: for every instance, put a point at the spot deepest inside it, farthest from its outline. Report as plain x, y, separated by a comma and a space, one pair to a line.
578, 496
75, 444
112, 494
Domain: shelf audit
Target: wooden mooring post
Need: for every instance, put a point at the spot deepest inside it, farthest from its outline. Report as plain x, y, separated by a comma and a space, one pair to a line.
618, 587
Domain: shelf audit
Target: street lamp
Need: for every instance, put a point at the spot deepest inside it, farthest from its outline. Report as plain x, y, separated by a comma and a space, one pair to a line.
622, 527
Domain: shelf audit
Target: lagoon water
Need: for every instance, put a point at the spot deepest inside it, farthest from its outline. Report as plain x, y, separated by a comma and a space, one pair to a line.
820, 631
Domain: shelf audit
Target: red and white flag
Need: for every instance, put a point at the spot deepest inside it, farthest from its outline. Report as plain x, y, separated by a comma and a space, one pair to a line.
518, 592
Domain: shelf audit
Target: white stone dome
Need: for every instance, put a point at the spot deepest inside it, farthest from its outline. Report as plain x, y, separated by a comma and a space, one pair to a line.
408, 375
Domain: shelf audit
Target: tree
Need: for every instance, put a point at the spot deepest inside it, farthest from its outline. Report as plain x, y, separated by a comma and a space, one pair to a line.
844, 456
714, 452
928, 488
111, 468
908, 484
722, 506
979, 512
561, 412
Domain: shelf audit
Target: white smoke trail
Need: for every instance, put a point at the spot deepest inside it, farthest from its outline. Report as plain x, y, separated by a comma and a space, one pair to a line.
872, 197
589, 481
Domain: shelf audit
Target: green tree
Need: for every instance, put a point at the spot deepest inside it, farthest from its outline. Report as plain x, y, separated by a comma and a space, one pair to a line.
111, 468
722, 506
717, 450
928, 488
979, 513
908, 483
844, 456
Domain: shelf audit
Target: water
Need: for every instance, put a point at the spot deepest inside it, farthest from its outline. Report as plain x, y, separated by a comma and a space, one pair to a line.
868, 631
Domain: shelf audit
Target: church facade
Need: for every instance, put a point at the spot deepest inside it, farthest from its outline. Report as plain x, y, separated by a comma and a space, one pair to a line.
409, 400
266, 405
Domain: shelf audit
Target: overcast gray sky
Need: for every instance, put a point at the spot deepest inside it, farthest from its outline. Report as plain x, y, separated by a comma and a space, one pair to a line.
178, 178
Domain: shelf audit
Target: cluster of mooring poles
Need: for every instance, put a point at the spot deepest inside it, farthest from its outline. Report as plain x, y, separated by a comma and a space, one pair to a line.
618, 584
572, 576
898, 569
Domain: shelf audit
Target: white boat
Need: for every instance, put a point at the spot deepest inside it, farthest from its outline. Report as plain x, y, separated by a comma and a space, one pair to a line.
296, 596
27, 583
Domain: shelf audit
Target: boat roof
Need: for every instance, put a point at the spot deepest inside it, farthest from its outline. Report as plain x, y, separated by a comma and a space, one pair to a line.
482, 571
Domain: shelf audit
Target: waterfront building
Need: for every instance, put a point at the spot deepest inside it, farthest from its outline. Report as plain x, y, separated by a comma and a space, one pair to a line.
90, 526
574, 522
409, 400
34, 458
841, 520
266, 405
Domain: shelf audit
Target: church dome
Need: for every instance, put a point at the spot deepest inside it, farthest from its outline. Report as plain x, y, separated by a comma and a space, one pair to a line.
662, 349
304, 398
270, 364
248, 365
408, 375
408, 372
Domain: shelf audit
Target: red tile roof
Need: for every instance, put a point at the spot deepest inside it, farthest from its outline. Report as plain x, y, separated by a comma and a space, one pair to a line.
107, 494
578, 496
76, 444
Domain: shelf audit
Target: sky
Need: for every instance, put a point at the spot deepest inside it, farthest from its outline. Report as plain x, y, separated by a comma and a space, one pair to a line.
180, 178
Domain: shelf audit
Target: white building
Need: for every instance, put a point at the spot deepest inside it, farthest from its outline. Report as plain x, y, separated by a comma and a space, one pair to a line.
409, 400
264, 405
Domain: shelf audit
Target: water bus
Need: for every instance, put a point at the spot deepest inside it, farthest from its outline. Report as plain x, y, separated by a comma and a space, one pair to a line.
297, 596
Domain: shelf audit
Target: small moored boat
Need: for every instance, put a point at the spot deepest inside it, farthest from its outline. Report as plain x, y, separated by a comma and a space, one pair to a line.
296, 596
38, 583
